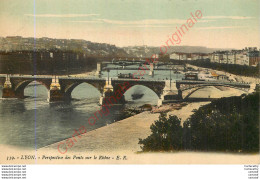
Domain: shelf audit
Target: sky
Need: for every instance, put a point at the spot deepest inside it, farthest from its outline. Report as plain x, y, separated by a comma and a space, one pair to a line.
224, 23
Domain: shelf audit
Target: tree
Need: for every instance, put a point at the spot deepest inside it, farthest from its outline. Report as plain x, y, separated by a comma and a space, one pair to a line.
227, 124
166, 135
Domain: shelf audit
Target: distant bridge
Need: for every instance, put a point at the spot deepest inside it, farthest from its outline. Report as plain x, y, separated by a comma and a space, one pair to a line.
60, 87
187, 87
147, 66
139, 62
159, 69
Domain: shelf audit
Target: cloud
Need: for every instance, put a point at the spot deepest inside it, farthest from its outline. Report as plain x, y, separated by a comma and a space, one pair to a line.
145, 21
224, 27
147, 26
61, 15
89, 22
141, 23
228, 17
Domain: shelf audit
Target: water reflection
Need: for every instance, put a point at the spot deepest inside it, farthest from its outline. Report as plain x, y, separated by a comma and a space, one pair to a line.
33, 122
149, 96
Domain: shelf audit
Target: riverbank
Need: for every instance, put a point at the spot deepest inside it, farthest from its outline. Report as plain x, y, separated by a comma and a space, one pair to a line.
123, 136
238, 78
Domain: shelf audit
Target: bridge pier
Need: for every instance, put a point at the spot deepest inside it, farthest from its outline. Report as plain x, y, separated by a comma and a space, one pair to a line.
112, 96
252, 88
107, 93
180, 94
151, 73
170, 93
55, 93
99, 69
8, 91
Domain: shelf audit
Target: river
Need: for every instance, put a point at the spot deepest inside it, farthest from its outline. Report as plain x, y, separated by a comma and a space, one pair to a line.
34, 123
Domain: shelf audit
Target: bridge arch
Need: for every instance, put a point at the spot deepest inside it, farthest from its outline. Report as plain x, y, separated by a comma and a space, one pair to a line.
156, 86
69, 88
20, 86
140, 89
187, 92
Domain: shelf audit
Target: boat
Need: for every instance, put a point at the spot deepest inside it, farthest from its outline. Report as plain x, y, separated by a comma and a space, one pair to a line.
146, 107
136, 96
129, 75
190, 76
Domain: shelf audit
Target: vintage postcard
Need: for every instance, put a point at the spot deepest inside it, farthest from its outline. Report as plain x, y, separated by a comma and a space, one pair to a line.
129, 82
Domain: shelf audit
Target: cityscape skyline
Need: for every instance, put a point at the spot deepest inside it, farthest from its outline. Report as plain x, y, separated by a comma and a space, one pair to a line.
133, 23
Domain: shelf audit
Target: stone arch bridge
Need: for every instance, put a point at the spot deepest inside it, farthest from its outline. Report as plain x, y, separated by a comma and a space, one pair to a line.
60, 87
187, 88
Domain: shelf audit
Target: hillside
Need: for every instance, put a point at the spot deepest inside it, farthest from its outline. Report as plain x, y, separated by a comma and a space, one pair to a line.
146, 51
18, 43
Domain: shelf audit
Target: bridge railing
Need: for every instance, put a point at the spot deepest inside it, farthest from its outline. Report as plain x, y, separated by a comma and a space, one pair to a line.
129, 79
50, 77
212, 82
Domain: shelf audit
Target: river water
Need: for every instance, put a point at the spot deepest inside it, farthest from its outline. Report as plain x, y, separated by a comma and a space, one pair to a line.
34, 123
